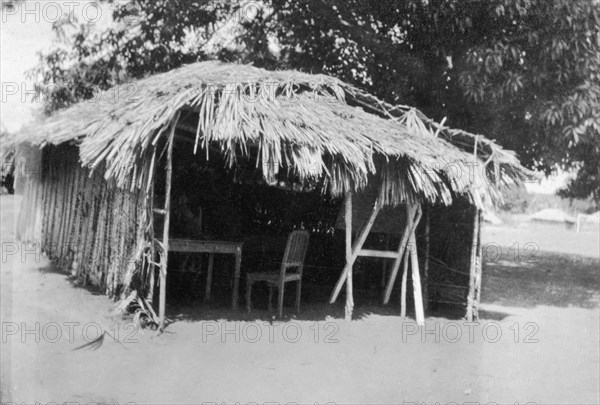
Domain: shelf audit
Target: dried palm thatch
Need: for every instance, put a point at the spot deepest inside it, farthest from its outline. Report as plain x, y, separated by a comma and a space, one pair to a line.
316, 126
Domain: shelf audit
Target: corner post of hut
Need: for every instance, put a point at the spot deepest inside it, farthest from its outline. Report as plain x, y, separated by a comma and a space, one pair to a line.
348, 225
426, 259
475, 270
167, 212
416, 277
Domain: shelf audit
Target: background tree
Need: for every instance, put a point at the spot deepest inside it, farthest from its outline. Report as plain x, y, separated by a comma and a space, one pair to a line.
524, 72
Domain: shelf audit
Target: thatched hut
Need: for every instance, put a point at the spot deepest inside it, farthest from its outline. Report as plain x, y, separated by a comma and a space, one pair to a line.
94, 168
552, 217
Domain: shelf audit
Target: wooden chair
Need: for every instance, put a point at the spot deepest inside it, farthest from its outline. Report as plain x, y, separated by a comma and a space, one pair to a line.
293, 258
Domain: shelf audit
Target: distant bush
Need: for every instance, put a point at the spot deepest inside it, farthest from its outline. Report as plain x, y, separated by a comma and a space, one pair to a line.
518, 201
570, 206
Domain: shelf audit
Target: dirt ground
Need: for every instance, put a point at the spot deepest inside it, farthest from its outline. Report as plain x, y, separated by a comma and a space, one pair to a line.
537, 341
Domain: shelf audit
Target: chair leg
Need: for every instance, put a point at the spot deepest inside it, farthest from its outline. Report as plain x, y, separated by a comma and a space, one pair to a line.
248, 294
280, 301
298, 292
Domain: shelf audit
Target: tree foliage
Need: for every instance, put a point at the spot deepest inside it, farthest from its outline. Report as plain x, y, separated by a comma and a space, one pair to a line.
523, 72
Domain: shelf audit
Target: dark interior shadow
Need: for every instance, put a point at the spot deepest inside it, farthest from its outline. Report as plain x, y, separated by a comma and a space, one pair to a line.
315, 307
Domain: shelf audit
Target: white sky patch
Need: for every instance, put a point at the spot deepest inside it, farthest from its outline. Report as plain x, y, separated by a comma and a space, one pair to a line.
551, 184
26, 30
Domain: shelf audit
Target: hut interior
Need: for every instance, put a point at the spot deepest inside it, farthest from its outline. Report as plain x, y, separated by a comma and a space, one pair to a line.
213, 202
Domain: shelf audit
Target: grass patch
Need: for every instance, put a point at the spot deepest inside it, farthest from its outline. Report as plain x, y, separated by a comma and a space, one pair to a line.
548, 279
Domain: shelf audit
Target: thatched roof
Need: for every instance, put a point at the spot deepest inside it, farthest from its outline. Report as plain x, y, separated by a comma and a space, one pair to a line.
314, 125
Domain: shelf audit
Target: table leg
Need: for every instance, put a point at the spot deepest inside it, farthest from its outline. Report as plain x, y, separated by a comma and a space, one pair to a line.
236, 278
211, 259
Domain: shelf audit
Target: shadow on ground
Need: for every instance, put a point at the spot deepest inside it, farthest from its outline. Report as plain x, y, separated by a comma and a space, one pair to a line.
551, 279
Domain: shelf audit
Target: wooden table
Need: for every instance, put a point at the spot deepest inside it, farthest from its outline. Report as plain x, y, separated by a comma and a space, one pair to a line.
213, 247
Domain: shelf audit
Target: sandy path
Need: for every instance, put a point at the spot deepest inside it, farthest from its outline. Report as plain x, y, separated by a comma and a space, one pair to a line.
371, 362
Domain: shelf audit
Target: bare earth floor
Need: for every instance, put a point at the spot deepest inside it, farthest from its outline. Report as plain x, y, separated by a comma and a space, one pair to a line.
538, 342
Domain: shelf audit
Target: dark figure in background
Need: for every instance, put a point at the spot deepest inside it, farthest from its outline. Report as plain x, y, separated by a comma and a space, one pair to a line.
187, 220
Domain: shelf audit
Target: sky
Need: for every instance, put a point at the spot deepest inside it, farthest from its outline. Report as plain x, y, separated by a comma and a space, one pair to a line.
27, 30
19, 42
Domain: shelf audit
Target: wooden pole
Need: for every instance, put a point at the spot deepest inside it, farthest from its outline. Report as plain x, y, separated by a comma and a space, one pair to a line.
478, 270
165, 255
152, 253
403, 287
355, 250
416, 279
426, 261
411, 254
413, 215
473, 268
349, 293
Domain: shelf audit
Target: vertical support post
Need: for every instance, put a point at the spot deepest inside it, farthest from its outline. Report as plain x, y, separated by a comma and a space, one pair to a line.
209, 275
165, 255
236, 277
416, 279
473, 268
403, 287
426, 261
478, 270
348, 222
150, 216
151, 257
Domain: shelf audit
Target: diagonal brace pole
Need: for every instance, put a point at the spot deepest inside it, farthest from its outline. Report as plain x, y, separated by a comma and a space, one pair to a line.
413, 215
355, 250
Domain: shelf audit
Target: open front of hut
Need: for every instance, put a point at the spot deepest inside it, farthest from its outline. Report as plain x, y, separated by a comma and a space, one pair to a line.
198, 153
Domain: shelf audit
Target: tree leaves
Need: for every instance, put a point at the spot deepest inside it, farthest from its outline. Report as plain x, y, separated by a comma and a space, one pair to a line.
523, 72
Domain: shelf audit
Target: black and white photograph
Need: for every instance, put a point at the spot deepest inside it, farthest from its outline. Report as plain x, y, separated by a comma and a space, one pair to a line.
291, 202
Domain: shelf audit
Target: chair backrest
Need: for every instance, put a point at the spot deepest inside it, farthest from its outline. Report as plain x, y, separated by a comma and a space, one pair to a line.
295, 251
